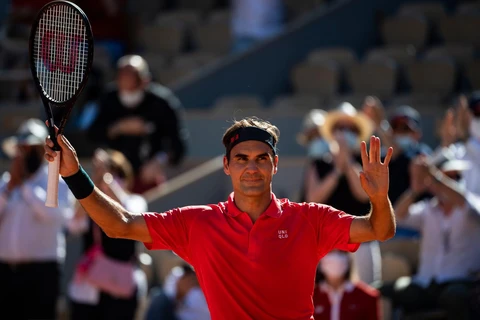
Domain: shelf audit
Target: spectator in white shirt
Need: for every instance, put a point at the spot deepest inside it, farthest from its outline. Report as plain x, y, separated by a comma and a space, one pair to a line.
32, 243
449, 224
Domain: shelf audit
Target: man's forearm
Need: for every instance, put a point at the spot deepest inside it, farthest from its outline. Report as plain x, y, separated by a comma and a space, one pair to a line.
382, 218
112, 218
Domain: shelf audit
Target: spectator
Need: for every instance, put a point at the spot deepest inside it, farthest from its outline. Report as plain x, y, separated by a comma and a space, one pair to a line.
449, 223
310, 138
143, 120
254, 21
181, 297
407, 133
337, 296
32, 244
114, 176
333, 178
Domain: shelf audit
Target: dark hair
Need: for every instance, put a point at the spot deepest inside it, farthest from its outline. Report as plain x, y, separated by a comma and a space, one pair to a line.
249, 122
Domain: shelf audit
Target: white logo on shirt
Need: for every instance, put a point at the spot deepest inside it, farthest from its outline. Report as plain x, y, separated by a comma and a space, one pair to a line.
318, 309
282, 234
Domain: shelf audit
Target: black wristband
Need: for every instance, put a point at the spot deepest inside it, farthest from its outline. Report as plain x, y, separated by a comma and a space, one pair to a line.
80, 184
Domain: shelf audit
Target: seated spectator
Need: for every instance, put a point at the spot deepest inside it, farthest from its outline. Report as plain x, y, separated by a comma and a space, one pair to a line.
449, 223
337, 296
181, 297
143, 120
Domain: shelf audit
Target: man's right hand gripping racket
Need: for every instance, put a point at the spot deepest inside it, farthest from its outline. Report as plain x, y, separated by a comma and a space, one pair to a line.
61, 56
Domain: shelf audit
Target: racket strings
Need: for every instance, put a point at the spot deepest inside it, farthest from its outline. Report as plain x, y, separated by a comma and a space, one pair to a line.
61, 52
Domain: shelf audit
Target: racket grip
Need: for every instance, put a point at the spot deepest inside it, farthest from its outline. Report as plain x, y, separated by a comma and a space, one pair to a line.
52, 184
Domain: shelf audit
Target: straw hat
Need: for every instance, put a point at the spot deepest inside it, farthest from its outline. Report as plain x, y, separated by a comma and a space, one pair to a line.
347, 112
30, 132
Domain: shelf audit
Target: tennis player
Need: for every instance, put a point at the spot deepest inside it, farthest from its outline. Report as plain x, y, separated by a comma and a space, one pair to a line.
255, 255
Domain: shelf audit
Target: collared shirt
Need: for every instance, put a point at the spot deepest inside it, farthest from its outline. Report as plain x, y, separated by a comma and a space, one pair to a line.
263, 270
30, 231
448, 248
349, 302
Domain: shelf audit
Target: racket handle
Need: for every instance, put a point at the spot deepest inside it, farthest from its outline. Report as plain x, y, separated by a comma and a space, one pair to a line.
52, 184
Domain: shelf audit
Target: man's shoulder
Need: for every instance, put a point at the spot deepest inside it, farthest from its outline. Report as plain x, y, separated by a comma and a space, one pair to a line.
159, 91
302, 207
366, 290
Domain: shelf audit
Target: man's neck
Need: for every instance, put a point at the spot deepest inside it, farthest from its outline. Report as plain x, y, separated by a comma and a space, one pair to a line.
253, 206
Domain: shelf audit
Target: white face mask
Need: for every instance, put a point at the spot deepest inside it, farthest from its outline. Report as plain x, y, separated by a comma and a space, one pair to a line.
475, 128
405, 142
317, 148
131, 99
352, 139
334, 265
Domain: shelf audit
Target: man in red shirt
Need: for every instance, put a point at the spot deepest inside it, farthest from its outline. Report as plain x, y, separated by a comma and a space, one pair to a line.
255, 255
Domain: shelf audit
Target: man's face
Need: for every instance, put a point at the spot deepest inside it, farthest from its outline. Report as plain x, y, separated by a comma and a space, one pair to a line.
128, 80
401, 128
251, 167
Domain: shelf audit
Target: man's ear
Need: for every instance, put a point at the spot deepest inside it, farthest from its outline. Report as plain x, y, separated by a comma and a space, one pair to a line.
275, 164
225, 166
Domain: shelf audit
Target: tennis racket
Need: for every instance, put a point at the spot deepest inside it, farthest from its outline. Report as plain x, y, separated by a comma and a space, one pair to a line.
61, 56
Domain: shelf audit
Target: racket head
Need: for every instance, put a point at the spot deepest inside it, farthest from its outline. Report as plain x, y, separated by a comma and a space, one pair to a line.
61, 48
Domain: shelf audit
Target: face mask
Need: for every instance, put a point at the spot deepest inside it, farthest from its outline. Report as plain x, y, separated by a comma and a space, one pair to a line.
131, 99
352, 139
32, 161
317, 148
334, 265
405, 142
475, 128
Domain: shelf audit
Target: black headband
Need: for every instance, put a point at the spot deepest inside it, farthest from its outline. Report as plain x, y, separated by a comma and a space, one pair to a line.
251, 133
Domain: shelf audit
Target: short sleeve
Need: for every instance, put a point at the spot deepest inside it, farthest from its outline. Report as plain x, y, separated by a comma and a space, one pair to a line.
170, 230
333, 229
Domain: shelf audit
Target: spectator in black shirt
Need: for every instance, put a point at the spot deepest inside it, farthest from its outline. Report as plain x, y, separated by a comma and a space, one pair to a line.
406, 131
143, 120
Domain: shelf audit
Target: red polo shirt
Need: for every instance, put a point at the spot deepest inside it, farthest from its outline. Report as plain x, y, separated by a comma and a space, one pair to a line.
264, 270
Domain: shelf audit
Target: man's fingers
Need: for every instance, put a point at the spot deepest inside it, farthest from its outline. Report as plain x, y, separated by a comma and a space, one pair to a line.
363, 153
388, 157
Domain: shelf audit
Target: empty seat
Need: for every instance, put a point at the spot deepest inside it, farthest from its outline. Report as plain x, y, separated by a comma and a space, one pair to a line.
403, 55
190, 18
238, 106
295, 103
405, 30
213, 36
171, 75
168, 39
297, 8
468, 8
404, 247
472, 70
433, 11
156, 61
316, 79
194, 59
432, 76
343, 56
461, 54
199, 5
461, 29
374, 78
223, 16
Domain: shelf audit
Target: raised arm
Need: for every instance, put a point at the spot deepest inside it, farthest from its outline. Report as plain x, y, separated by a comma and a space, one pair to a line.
112, 218
379, 224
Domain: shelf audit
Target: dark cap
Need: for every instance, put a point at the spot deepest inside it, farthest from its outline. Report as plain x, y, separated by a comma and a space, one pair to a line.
407, 115
474, 103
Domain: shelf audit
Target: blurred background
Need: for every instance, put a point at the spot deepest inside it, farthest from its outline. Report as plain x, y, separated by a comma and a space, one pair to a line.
278, 60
